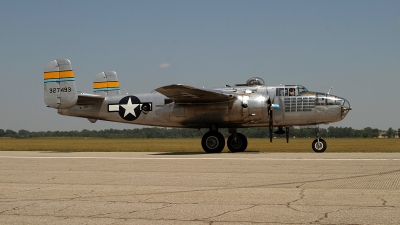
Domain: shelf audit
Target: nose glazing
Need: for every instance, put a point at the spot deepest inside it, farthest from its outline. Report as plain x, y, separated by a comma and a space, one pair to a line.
346, 104
345, 107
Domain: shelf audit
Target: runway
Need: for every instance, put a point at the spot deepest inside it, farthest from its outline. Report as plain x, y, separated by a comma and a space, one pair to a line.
193, 188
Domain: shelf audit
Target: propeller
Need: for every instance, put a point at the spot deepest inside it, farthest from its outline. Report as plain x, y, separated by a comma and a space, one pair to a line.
270, 126
271, 123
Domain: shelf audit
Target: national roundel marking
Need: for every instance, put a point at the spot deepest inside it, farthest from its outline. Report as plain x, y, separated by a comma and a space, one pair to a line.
129, 108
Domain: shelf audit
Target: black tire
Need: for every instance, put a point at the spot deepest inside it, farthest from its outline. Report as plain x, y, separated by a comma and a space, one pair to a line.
238, 143
320, 146
213, 142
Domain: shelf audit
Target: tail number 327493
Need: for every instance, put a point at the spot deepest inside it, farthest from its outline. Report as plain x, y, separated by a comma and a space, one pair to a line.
58, 90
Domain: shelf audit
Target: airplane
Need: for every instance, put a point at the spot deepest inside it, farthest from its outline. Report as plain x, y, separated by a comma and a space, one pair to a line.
252, 104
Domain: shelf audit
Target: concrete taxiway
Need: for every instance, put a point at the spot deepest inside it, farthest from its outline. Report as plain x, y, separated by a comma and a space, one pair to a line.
191, 188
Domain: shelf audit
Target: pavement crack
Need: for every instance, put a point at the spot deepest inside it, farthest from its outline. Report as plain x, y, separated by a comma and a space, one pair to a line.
164, 206
66, 207
8, 211
325, 216
316, 180
301, 197
228, 211
384, 202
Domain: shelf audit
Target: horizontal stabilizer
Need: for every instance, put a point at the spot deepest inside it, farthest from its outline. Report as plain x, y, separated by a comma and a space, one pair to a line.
183, 94
89, 99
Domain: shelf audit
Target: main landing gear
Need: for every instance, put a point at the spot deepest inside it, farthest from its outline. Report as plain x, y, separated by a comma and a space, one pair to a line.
319, 144
237, 142
214, 142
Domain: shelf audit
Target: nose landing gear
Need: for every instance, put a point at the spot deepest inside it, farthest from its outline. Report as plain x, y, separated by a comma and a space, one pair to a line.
319, 144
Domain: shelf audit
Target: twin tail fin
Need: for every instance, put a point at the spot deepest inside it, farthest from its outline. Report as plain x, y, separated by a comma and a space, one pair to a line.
60, 89
106, 84
59, 85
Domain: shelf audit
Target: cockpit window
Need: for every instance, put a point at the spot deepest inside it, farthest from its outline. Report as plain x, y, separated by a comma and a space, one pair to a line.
285, 92
302, 89
291, 90
255, 81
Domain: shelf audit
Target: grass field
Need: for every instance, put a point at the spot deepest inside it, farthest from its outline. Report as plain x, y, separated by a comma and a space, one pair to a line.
192, 145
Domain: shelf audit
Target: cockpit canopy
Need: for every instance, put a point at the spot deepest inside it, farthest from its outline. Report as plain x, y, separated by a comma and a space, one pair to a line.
255, 81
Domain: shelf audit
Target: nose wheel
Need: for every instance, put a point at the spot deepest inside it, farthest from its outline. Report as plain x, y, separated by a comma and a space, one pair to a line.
319, 144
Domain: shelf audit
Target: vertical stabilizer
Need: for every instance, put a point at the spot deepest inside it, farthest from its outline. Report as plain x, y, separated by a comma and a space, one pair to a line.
106, 84
59, 84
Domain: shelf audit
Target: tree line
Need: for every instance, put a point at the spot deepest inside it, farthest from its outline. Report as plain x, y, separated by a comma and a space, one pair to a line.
338, 132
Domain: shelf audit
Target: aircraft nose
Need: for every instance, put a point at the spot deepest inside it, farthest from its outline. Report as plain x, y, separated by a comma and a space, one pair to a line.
345, 107
335, 100
346, 104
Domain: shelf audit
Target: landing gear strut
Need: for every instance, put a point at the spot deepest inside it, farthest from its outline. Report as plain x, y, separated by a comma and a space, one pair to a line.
319, 144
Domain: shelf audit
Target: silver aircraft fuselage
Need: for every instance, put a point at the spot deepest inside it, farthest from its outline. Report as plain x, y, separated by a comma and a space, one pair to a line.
252, 104
306, 108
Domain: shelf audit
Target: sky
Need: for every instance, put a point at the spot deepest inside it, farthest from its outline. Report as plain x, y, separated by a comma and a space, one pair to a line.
352, 46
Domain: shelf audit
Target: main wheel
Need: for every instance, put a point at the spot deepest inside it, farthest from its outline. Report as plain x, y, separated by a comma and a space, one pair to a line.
213, 142
237, 142
319, 146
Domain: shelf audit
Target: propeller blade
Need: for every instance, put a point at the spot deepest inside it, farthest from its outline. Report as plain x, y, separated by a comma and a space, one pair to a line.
270, 120
271, 125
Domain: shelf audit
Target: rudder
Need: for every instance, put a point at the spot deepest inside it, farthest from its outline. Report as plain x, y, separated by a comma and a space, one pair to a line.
59, 84
106, 84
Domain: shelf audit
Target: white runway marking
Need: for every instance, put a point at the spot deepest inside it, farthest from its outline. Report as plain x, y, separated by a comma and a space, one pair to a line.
191, 158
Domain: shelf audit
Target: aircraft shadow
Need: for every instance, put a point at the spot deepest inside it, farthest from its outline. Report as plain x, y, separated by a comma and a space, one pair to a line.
202, 153
56, 152
179, 153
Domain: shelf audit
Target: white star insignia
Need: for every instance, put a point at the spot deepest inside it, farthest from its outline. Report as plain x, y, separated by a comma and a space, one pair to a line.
129, 108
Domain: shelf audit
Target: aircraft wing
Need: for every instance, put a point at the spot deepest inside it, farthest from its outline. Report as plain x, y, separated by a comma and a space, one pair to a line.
183, 94
89, 99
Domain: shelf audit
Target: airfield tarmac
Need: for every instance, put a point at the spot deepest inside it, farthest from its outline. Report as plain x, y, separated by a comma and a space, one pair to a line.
193, 188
